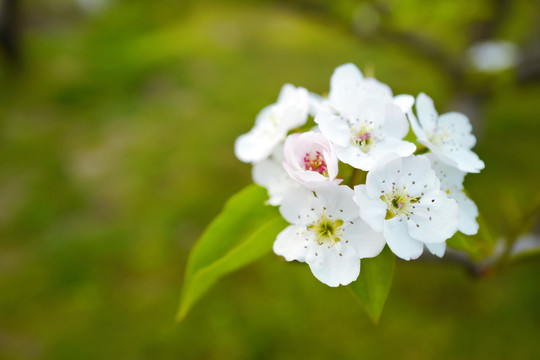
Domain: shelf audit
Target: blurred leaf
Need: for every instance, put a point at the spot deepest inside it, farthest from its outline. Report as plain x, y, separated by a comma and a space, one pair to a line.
373, 285
239, 235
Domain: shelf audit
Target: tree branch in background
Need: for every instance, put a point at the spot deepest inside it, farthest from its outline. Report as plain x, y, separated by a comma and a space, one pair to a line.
9, 30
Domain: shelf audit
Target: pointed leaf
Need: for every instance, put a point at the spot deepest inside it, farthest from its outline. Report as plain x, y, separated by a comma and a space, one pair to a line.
373, 285
243, 232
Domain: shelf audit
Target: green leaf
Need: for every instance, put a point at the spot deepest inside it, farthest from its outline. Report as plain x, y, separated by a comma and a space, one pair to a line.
373, 285
243, 232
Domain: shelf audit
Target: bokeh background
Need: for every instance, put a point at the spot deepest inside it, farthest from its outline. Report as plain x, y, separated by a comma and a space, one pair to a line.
117, 124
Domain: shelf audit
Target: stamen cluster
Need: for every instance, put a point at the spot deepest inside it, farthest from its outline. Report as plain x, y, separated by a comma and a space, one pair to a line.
315, 162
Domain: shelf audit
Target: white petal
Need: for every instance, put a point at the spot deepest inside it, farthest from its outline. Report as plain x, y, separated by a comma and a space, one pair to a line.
338, 201
391, 145
465, 159
334, 266
398, 239
287, 91
461, 128
435, 218
436, 249
417, 175
375, 90
344, 86
417, 129
395, 122
271, 175
355, 157
316, 102
451, 178
380, 177
363, 239
331, 161
293, 244
296, 206
405, 102
468, 212
426, 112
440, 154
334, 127
256, 145
372, 210
292, 107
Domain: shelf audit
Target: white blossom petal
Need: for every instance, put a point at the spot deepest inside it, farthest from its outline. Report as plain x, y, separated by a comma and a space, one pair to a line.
450, 177
375, 90
448, 136
461, 128
355, 157
417, 129
338, 202
390, 145
334, 266
435, 218
437, 249
417, 175
372, 210
258, 143
468, 212
293, 243
464, 159
334, 127
296, 206
270, 174
316, 103
400, 242
395, 122
379, 179
272, 124
405, 102
344, 85
363, 239
426, 112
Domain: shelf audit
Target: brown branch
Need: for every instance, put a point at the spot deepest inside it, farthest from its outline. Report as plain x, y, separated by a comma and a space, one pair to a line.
9, 30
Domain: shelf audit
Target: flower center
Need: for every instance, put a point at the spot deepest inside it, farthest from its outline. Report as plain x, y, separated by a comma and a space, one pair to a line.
327, 230
315, 162
363, 138
399, 203
439, 136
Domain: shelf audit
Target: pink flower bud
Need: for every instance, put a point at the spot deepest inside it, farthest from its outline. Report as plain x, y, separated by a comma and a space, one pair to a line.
310, 160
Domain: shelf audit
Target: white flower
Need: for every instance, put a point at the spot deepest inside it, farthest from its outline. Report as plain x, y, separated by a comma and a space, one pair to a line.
493, 56
452, 184
448, 136
270, 174
362, 119
273, 123
402, 198
326, 233
310, 160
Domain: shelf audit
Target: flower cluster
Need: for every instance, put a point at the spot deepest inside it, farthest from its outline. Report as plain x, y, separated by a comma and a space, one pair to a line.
348, 182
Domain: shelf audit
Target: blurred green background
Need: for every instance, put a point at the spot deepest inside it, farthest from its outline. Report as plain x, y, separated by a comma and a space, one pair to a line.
117, 124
